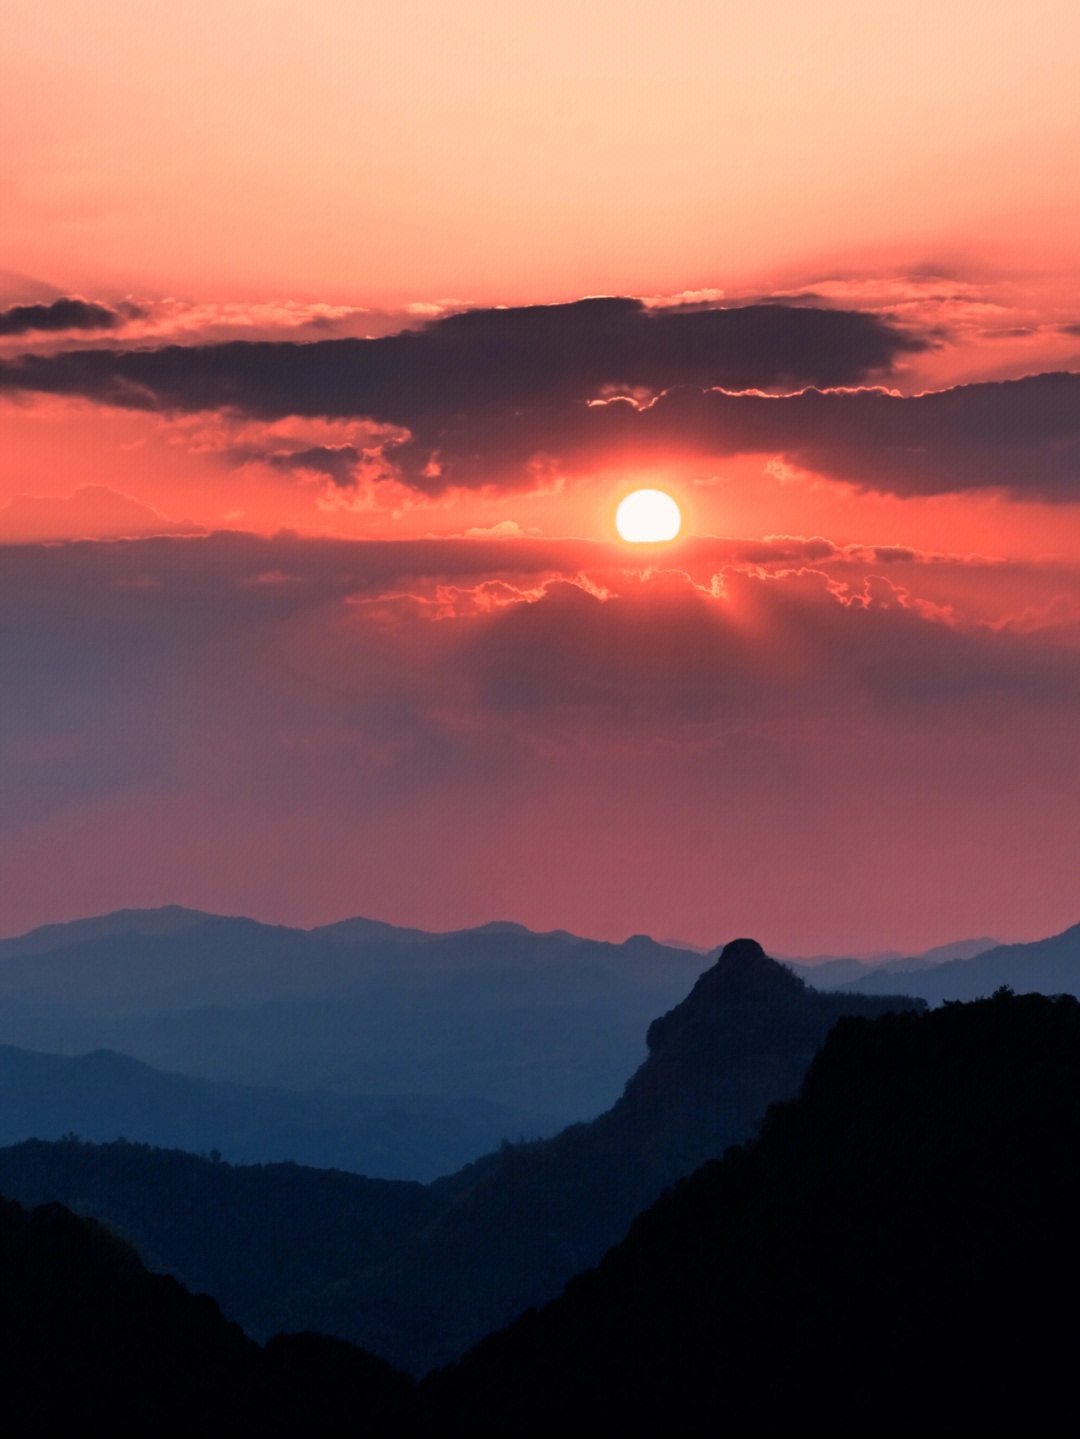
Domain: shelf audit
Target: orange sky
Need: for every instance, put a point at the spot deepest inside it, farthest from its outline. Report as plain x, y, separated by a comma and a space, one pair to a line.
504, 152
873, 460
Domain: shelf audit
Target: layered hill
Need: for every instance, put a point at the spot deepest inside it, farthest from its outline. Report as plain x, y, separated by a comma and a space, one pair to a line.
1045, 966
898, 1252
418, 1274
497, 1013
103, 1096
828, 971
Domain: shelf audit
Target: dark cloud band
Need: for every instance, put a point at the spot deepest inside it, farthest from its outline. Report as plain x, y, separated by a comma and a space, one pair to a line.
498, 398
485, 360
63, 314
461, 381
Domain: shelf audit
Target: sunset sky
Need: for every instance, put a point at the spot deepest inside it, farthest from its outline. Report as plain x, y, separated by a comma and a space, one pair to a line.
331, 338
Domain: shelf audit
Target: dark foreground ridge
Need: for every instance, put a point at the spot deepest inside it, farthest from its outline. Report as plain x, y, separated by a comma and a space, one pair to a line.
92, 1343
899, 1251
418, 1275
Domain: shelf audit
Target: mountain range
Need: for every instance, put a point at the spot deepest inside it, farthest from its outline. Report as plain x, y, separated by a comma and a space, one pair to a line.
547, 1025
1044, 966
830, 971
417, 1274
389, 1051
896, 1252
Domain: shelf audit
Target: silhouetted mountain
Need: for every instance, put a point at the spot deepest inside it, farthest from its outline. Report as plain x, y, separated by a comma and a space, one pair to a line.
93, 1344
898, 1252
103, 1096
1046, 966
419, 1281
496, 1013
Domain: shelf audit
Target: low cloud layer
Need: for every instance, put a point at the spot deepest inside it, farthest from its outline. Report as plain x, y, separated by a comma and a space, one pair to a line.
734, 632
785, 736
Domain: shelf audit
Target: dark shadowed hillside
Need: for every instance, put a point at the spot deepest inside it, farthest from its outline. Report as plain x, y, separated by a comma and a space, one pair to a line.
419, 1281
898, 1252
90, 1343
255, 1237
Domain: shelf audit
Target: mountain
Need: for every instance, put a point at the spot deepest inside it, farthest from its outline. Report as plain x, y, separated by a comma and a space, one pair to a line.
496, 1013
365, 931
941, 953
897, 1252
827, 971
1046, 966
93, 1343
417, 1274
103, 1095
169, 919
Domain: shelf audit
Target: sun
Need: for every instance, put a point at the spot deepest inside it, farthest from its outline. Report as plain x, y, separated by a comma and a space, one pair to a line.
648, 517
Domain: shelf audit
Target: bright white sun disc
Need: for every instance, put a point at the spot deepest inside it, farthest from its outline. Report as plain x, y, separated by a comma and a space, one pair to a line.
647, 517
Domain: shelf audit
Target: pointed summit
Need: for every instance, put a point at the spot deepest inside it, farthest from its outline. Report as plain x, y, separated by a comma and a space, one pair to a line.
743, 973
741, 1039
746, 960
742, 949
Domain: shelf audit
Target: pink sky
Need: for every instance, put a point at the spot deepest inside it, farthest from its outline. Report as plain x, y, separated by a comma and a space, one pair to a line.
419, 678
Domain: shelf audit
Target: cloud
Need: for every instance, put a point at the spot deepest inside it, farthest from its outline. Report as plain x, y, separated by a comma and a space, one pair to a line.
765, 629
759, 728
462, 382
1019, 435
505, 529
514, 399
1022, 436
763, 652
485, 358
166, 320
64, 314
337, 462
325, 574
